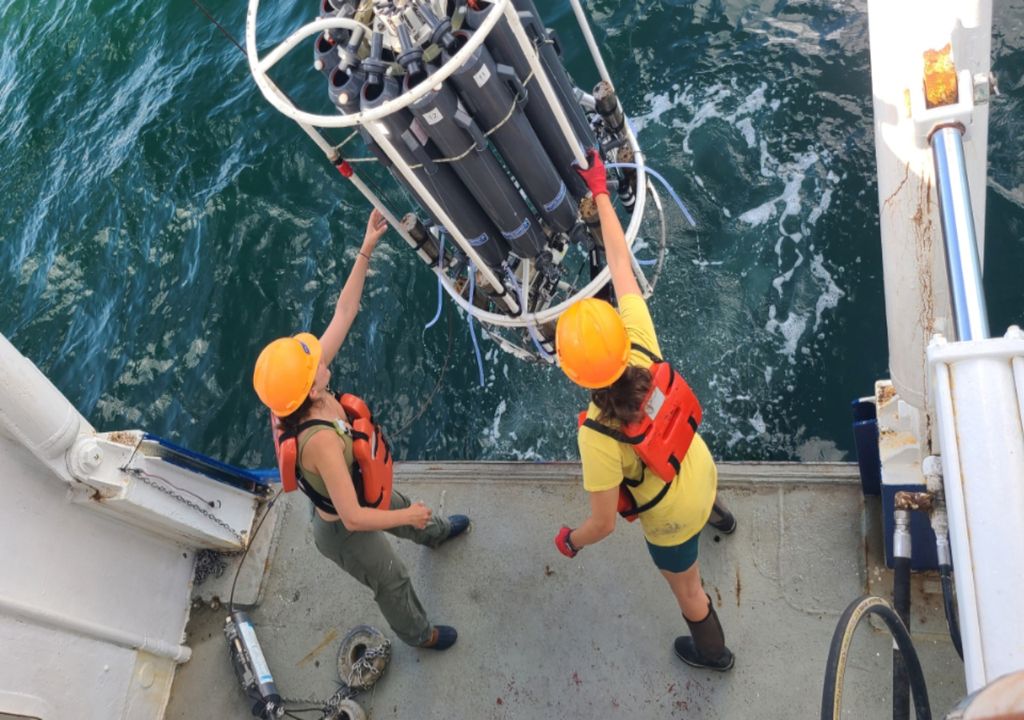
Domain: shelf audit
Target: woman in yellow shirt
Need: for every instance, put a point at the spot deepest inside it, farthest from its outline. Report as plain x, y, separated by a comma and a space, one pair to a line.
598, 349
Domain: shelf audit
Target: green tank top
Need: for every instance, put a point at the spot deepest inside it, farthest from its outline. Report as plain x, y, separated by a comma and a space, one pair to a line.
342, 429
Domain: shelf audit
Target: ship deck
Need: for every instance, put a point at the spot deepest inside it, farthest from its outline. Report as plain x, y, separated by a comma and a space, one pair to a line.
542, 636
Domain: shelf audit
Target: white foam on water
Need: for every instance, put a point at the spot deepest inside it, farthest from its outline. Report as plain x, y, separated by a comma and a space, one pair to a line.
195, 352
759, 215
789, 329
746, 126
492, 435
785, 277
832, 293
659, 104
816, 449
805, 287
757, 422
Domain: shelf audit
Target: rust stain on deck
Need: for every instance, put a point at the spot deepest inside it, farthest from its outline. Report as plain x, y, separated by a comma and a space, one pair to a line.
330, 637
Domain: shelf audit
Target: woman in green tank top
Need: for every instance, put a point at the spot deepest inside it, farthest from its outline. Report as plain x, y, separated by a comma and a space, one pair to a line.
291, 378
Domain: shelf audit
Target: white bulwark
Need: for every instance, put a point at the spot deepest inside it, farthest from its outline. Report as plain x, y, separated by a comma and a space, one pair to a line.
98, 560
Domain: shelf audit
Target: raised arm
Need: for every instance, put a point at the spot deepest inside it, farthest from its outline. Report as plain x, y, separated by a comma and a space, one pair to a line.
620, 263
347, 307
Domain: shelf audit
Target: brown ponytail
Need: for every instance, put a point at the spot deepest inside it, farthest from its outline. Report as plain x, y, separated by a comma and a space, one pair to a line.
290, 423
623, 400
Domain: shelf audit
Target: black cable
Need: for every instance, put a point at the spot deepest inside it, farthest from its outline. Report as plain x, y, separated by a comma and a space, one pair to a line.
901, 603
245, 553
291, 713
220, 27
835, 667
948, 604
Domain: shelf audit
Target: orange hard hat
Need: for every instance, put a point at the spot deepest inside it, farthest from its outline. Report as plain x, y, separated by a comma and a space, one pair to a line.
285, 371
592, 344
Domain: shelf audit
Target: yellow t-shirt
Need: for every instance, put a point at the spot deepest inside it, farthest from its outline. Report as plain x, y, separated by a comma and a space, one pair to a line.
686, 506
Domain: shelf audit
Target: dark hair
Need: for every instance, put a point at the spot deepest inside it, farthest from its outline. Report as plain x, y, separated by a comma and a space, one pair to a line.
290, 423
623, 400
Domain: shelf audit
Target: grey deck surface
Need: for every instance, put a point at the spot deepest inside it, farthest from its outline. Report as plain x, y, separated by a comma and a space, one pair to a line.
542, 636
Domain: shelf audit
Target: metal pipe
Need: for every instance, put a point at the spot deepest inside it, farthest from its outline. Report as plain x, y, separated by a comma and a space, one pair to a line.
95, 631
963, 264
588, 36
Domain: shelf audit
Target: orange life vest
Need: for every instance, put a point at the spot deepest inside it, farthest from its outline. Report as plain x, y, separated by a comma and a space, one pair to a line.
372, 473
662, 437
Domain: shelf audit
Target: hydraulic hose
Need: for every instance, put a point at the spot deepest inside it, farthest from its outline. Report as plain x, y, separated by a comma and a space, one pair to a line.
472, 329
901, 551
440, 294
671, 191
521, 292
657, 176
838, 652
949, 605
940, 526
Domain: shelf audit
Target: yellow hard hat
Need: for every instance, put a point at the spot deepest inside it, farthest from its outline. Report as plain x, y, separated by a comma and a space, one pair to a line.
285, 371
592, 344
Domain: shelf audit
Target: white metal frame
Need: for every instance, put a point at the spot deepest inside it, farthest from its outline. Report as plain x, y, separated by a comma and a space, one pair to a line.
309, 121
978, 389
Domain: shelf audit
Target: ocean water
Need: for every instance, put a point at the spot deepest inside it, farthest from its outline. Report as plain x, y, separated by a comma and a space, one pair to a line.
160, 223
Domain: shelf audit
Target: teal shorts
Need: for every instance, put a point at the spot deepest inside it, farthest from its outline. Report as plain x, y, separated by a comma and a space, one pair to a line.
675, 558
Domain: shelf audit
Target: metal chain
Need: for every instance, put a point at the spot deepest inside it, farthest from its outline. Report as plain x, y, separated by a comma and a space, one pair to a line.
144, 478
365, 672
344, 692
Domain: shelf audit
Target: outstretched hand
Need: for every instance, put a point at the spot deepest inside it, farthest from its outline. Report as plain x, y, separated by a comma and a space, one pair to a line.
595, 176
376, 226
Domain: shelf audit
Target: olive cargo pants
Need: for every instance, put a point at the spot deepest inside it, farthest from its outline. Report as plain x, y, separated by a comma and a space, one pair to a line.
370, 559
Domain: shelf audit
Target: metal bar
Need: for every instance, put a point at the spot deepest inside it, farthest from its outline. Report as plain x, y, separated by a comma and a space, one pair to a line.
392, 220
963, 264
321, 142
588, 35
540, 74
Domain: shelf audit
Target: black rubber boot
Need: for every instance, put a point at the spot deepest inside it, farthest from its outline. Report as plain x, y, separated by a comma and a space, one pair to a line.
721, 519
706, 648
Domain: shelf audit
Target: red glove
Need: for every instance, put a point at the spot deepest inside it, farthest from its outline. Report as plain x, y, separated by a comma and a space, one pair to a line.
595, 176
564, 544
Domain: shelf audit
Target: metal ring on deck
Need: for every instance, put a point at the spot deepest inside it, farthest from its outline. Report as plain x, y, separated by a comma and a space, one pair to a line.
363, 657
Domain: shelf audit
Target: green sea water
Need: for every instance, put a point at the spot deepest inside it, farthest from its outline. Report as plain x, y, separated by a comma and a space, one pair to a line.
160, 223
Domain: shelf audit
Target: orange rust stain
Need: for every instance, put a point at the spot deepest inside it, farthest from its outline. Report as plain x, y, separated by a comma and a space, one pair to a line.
885, 394
894, 193
940, 86
330, 637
